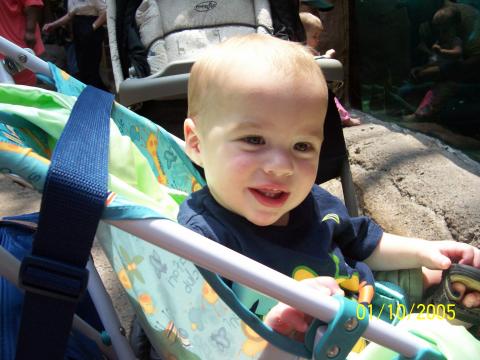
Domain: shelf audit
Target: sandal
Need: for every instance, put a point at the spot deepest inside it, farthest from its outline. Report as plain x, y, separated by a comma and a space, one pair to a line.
445, 295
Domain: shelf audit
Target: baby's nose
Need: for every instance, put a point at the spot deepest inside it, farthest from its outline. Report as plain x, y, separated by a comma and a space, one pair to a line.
279, 163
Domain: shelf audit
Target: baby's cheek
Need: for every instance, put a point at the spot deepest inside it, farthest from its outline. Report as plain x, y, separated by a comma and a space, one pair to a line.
308, 169
241, 164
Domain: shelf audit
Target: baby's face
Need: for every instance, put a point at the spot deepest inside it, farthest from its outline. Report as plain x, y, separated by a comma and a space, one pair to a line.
446, 34
313, 38
261, 146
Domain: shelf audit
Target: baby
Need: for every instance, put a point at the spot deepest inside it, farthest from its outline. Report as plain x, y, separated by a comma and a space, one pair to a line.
313, 30
256, 111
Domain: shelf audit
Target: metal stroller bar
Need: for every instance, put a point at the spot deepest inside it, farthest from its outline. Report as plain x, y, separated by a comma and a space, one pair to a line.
236, 267
23, 57
174, 86
107, 314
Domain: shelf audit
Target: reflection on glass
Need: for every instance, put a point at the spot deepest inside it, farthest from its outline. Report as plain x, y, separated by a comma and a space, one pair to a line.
418, 64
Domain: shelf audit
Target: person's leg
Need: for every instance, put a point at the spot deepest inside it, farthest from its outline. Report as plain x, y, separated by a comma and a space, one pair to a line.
425, 110
88, 49
72, 67
80, 31
96, 51
427, 73
435, 101
347, 120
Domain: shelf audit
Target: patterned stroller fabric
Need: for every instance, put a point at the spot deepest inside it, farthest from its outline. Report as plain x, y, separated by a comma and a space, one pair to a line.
149, 176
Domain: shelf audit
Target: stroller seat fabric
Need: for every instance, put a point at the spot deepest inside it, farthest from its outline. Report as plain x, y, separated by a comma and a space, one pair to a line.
149, 175
177, 30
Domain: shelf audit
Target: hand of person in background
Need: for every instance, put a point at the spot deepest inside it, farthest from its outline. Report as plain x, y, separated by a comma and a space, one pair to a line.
47, 28
330, 53
51, 26
30, 39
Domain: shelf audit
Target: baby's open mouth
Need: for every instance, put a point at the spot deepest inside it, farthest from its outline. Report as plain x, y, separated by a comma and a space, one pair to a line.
270, 197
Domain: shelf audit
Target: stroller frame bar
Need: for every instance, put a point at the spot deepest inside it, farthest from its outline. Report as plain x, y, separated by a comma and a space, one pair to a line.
132, 91
23, 57
239, 268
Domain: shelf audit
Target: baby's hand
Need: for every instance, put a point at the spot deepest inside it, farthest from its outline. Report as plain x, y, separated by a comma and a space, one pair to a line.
436, 48
330, 53
287, 320
441, 254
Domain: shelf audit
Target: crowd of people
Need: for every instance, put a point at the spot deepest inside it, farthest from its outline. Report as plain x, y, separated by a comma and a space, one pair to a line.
85, 19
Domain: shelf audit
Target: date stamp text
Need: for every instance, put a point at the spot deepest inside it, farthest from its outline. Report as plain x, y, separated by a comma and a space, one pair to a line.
400, 311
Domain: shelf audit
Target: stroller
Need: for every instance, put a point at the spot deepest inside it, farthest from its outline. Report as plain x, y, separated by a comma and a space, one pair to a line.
196, 315
153, 45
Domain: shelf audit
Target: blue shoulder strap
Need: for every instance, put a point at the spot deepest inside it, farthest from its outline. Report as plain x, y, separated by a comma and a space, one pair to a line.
54, 275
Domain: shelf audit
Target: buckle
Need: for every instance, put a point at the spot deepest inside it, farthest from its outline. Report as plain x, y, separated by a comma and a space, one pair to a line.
52, 278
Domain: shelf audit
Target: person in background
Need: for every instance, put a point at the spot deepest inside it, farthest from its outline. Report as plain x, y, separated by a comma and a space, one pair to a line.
313, 29
445, 53
88, 17
19, 24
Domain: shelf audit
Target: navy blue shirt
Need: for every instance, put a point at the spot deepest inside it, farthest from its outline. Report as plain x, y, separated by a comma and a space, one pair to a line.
319, 239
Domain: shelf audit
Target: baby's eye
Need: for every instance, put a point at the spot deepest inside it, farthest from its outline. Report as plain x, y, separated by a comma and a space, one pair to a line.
303, 147
254, 140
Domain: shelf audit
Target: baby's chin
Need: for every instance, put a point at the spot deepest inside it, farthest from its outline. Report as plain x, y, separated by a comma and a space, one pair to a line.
269, 220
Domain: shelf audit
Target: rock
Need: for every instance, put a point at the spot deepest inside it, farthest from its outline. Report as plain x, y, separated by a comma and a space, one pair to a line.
414, 185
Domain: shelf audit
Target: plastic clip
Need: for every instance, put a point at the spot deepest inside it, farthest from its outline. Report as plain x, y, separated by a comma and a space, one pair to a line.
51, 278
342, 333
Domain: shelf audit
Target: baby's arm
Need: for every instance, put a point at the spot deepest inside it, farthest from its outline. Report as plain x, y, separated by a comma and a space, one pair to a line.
452, 53
398, 252
287, 321
330, 53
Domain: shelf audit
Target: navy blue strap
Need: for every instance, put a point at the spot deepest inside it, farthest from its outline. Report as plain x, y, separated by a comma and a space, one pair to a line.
54, 276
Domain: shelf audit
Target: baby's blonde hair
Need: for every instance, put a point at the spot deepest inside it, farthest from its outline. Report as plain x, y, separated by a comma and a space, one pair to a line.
310, 22
250, 54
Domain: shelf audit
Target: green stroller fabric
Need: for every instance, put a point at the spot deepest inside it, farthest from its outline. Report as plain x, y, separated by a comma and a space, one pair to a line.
149, 176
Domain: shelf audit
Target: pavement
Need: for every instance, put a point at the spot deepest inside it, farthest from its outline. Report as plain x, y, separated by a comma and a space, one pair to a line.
411, 184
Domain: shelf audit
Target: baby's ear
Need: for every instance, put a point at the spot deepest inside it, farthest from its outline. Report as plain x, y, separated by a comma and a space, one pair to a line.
192, 141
